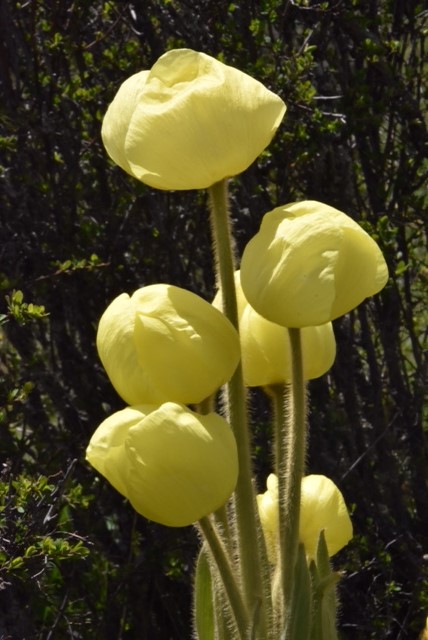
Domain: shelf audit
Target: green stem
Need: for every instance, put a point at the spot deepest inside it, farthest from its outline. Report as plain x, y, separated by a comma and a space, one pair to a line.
280, 405
223, 249
221, 517
224, 625
278, 394
290, 477
220, 556
255, 588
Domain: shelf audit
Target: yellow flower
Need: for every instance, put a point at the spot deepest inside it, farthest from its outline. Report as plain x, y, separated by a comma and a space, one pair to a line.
269, 516
309, 264
165, 343
189, 122
173, 465
265, 346
322, 507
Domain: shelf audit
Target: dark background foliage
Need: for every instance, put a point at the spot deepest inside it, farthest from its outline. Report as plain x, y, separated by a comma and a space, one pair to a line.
75, 561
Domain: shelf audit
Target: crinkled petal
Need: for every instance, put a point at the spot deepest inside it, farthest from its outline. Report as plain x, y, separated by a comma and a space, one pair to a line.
118, 116
106, 451
189, 347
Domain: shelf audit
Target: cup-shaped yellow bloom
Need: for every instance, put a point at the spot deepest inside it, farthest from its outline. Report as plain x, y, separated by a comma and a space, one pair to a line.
189, 122
165, 343
322, 508
265, 346
175, 466
309, 264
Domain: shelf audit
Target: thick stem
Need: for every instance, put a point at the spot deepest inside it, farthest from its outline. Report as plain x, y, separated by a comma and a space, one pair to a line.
229, 582
280, 407
222, 520
256, 595
290, 477
278, 394
223, 249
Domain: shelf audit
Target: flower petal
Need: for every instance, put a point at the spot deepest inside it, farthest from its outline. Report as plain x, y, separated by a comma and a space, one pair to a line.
106, 451
116, 120
323, 508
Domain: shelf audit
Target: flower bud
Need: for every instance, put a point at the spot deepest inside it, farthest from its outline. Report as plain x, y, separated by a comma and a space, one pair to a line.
173, 465
309, 264
189, 122
322, 508
265, 346
165, 343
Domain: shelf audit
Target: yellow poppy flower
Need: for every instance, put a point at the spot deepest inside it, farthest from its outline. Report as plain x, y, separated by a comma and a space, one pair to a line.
309, 264
189, 122
175, 466
322, 508
165, 343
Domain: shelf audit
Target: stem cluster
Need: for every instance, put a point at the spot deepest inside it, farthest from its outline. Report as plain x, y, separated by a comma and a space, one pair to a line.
260, 601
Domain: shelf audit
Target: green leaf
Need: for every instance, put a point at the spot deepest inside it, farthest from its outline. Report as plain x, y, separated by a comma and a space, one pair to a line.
323, 559
325, 606
203, 599
301, 599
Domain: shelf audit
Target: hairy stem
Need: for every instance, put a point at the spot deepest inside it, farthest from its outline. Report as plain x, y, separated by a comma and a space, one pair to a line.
290, 477
255, 589
228, 579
